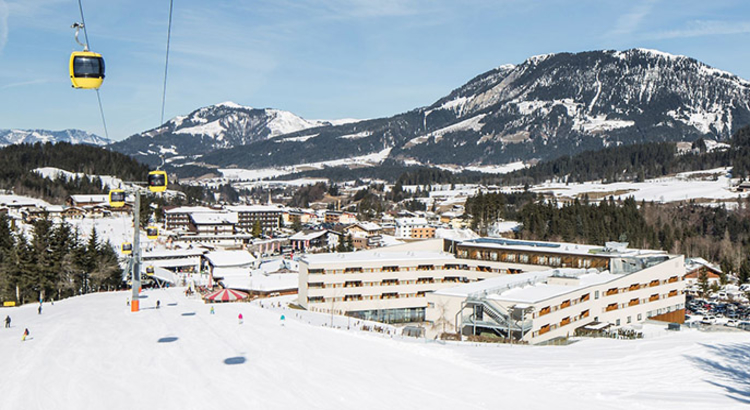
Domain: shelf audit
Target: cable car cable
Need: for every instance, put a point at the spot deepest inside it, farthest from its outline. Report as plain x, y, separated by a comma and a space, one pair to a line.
83, 23
86, 48
101, 110
166, 63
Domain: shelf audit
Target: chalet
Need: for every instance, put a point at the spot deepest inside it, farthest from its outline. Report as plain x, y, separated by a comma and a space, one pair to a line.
314, 240
694, 267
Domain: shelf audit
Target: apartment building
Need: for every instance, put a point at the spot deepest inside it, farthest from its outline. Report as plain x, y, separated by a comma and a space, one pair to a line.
530, 291
406, 228
178, 219
536, 307
268, 216
388, 284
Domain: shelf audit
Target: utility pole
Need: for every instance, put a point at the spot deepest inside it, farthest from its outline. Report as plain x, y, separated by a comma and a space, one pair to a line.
135, 274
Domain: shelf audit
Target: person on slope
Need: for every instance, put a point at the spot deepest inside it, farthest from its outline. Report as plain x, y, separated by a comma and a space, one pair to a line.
7, 321
240, 318
212, 310
25, 335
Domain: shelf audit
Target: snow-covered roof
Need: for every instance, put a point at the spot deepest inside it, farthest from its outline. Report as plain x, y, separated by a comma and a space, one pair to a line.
455, 234
230, 258
558, 247
189, 210
369, 226
172, 253
530, 287
695, 263
254, 208
391, 258
259, 281
93, 198
214, 218
302, 236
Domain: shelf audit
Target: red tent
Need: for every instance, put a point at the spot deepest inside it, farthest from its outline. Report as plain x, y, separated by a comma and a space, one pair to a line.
225, 295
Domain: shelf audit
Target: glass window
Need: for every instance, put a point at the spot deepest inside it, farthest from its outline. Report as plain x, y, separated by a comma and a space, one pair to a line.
88, 67
596, 295
618, 322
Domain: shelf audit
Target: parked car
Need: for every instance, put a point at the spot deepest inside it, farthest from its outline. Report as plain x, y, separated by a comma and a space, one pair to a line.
708, 320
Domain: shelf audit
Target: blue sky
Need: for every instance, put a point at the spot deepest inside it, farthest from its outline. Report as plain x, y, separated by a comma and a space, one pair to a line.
320, 59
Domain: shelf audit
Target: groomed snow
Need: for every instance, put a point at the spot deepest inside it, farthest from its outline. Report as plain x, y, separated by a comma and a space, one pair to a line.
91, 352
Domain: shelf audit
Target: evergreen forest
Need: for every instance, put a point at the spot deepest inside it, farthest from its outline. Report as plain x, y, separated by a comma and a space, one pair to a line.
53, 262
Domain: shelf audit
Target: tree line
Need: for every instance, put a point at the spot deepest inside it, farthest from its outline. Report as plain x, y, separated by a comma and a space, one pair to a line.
718, 234
53, 261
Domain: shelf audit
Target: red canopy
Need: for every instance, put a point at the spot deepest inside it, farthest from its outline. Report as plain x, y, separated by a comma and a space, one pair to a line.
225, 295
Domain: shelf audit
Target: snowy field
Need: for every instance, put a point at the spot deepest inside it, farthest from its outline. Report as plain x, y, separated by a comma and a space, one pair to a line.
668, 189
90, 352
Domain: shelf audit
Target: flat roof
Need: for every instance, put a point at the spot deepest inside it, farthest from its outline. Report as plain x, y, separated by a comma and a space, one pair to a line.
189, 210
230, 258
214, 218
557, 247
254, 208
388, 258
173, 253
530, 287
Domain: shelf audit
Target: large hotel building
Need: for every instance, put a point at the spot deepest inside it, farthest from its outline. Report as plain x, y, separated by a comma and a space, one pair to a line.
528, 291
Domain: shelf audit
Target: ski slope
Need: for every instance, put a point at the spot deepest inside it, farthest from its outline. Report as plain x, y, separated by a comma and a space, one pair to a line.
90, 352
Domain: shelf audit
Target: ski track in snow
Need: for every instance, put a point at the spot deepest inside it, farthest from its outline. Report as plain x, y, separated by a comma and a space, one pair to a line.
91, 352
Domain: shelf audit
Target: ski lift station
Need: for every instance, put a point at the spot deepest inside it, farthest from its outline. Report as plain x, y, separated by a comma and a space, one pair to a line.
524, 291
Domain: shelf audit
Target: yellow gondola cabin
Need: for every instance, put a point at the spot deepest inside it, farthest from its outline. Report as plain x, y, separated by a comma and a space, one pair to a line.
117, 198
86, 70
152, 232
157, 181
127, 248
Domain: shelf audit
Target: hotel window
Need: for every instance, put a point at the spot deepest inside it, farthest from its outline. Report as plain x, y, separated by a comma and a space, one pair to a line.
389, 282
596, 294
523, 258
617, 323
352, 270
426, 267
391, 269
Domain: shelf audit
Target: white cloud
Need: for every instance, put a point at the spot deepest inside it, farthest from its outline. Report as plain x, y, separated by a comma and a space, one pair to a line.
629, 22
700, 28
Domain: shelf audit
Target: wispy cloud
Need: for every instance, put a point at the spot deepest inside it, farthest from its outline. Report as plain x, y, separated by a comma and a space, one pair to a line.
25, 83
700, 28
629, 22
3, 24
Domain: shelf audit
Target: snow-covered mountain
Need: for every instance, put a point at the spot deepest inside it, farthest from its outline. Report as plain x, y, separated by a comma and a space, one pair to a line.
545, 107
11, 137
224, 125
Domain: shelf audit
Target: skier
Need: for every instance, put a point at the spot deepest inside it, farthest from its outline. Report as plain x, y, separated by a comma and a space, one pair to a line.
7, 321
25, 334
282, 320
158, 303
240, 318
212, 310
40, 309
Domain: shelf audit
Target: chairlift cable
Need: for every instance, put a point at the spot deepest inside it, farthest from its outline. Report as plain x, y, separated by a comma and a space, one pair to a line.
166, 62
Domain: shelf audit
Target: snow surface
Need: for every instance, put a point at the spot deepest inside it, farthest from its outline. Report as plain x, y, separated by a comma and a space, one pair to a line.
658, 190
91, 352
57, 173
